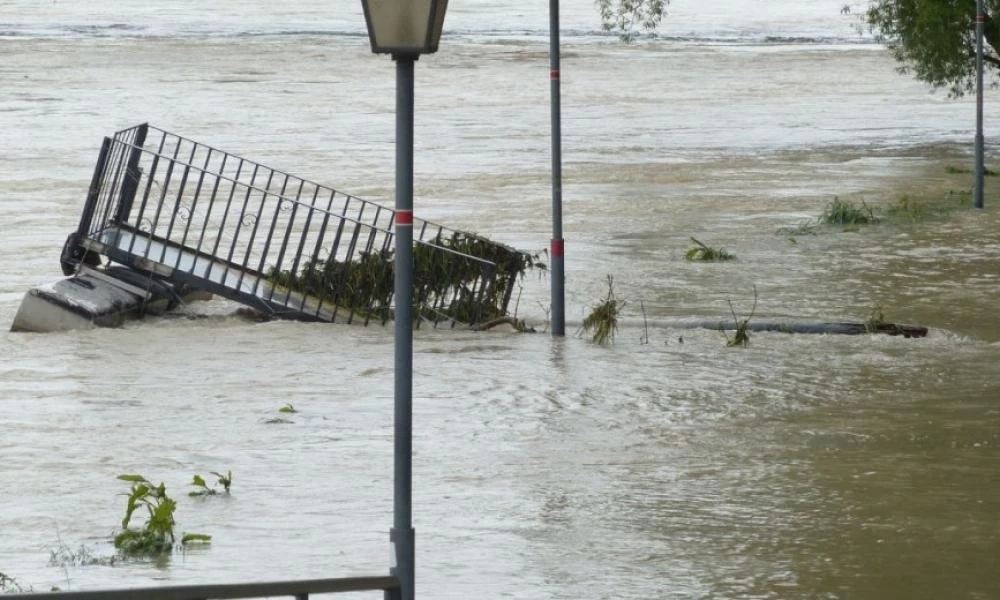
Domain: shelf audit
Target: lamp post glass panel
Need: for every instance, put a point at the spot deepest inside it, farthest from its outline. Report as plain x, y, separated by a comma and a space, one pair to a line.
405, 29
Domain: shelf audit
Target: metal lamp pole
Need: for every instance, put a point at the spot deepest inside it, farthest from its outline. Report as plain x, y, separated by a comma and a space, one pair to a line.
558, 244
404, 29
980, 160
402, 535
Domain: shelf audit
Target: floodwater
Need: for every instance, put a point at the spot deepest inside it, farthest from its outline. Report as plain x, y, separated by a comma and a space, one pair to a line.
800, 467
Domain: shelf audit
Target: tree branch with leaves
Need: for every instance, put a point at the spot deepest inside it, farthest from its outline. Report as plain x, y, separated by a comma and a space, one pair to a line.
630, 18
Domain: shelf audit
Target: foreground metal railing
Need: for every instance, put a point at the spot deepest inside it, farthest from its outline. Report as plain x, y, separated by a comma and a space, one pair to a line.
209, 219
300, 590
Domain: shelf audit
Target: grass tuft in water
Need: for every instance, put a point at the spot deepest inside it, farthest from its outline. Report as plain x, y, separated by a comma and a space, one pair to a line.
741, 338
603, 319
846, 213
703, 252
953, 170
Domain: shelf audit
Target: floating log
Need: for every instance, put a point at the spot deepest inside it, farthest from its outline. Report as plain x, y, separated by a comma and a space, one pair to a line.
843, 328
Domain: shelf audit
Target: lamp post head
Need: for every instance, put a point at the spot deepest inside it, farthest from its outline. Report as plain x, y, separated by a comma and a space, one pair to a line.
404, 27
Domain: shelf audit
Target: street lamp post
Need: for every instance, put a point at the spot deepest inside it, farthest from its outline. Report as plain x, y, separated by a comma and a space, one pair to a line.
980, 160
405, 29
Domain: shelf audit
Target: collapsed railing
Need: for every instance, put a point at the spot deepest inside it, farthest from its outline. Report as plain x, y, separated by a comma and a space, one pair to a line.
209, 219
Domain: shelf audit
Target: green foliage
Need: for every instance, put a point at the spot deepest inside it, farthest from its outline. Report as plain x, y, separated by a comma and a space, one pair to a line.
288, 408
603, 319
934, 39
846, 213
64, 556
953, 170
908, 208
701, 252
9, 585
156, 536
201, 488
741, 337
628, 18
449, 282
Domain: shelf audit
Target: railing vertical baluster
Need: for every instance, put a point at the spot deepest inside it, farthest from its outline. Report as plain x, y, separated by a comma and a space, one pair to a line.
145, 200
253, 235
239, 226
302, 242
110, 183
284, 243
319, 245
178, 203
163, 196
346, 269
194, 209
86, 218
225, 215
208, 213
132, 174
270, 235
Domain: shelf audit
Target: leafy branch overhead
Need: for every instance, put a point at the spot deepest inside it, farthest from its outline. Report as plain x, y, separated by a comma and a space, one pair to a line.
629, 18
934, 40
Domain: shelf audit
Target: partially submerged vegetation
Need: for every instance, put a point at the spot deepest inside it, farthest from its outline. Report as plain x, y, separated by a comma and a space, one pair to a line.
846, 213
741, 336
10, 585
202, 489
156, 536
453, 279
703, 252
602, 322
953, 170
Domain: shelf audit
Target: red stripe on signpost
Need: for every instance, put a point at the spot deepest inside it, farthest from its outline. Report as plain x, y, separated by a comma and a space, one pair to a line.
558, 247
554, 74
404, 217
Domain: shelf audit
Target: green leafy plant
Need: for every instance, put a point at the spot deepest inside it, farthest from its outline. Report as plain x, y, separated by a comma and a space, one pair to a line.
156, 536
702, 252
288, 408
628, 17
953, 170
202, 489
741, 337
846, 213
451, 280
908, 208
603, 319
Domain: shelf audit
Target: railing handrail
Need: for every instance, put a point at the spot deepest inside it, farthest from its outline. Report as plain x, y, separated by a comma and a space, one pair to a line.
307, 206
287, 174
225, 591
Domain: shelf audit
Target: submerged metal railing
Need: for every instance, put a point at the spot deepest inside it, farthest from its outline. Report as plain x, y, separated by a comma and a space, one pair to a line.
300, 590
210, 219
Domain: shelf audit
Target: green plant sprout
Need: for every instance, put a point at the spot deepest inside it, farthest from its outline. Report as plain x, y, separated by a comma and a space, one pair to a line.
702, 252
603, 319
741, 338
846, 213
156, 537
201, 488
288, 408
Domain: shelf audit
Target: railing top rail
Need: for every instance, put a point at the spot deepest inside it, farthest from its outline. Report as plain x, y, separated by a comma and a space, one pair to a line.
224, 591
294, 200
285, 173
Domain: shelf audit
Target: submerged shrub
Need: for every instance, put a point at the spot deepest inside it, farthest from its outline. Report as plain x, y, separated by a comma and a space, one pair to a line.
844, 212
603, 319
702, 252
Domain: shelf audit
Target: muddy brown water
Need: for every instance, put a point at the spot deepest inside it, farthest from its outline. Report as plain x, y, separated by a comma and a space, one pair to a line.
801, 467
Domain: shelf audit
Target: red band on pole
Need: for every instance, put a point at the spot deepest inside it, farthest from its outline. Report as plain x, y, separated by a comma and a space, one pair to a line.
404, 217
554, 74
558, 248
980, 18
